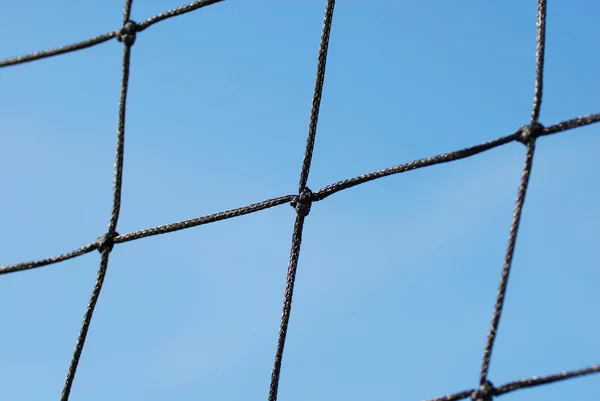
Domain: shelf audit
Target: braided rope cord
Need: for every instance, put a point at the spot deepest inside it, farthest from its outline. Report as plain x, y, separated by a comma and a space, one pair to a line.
302, 201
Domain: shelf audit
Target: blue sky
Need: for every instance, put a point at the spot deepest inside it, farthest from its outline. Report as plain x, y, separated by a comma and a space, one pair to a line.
397, 278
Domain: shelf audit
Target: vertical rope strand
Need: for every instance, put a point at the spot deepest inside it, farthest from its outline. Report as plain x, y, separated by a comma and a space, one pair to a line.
304, 200
106, 242
529, 140
539, 60
287, 305
118, 174
316, 102
127, 11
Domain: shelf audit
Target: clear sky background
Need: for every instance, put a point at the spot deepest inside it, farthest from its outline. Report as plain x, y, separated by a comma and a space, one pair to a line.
397, 278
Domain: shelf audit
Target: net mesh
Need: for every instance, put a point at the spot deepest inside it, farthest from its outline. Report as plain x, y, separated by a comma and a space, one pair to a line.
527, 135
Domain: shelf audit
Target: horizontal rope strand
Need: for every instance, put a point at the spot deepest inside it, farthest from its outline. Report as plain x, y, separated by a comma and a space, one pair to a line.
538, 381
107, 36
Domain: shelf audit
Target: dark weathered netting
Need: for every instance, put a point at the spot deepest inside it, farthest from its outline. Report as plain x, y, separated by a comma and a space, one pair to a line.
303, 200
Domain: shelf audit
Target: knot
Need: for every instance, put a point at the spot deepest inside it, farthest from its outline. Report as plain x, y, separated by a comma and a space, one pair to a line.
106, 242
303, 202
485, 392
127, 33
530, 132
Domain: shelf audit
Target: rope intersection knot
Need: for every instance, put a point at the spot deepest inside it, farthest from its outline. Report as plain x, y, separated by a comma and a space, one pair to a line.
530, 133
303, 202
127, 34
106, 242
485, 392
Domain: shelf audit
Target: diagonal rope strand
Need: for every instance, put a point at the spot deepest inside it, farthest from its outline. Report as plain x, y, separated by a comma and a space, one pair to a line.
58, 50
512, 239
538, 381
176, 12
164, 229
316, 102
182, 225
452, 156
44, 262
109, 35
454, 397
417, 164
570, 124
318, 196
87, 319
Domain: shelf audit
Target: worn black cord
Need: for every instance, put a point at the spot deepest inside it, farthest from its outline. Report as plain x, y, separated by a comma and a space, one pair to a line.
316, 102
164, 229
317, 196
287, 304
425, 162
528, 137
512, 239
487, 389
109, 35
538, 381
175, 12
228, 214
454, 397
570, 124
87, 319
302, 202
58, 50
539, 60
126, 12
105, 243
44, 262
